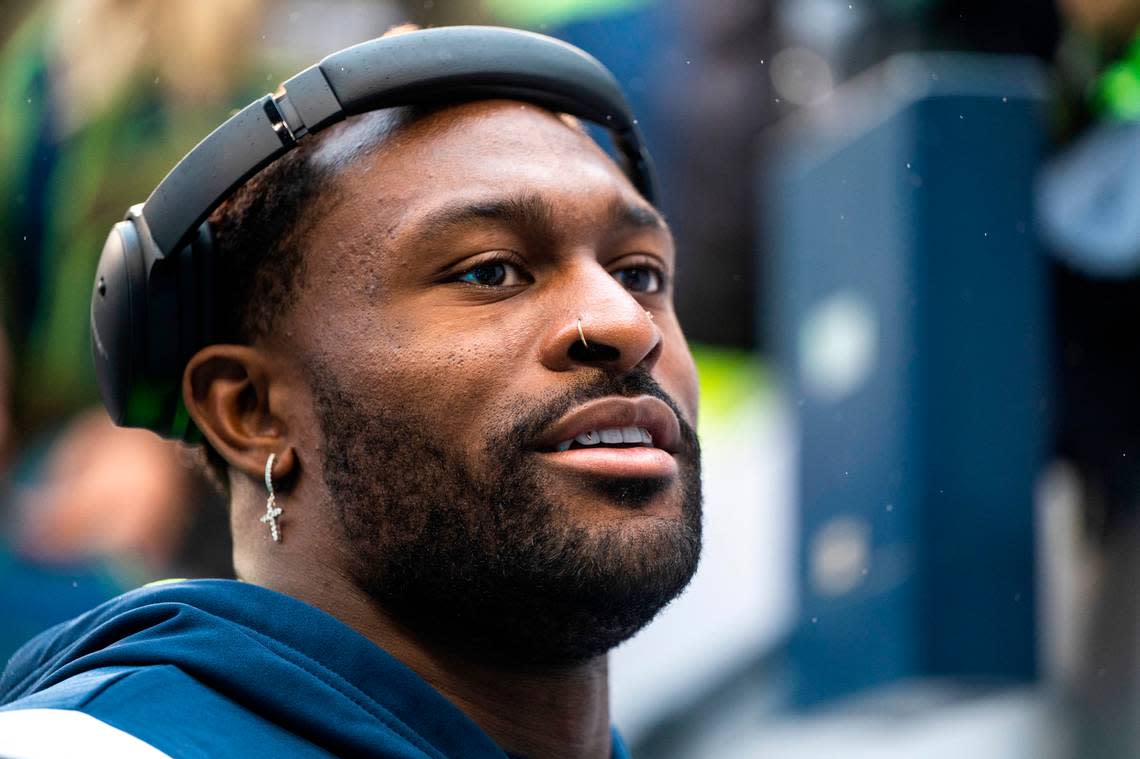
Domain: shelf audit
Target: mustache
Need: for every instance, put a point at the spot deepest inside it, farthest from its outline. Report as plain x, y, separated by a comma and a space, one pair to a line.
527, 428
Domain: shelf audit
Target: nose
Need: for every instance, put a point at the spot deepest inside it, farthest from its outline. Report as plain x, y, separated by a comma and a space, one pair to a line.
601, 325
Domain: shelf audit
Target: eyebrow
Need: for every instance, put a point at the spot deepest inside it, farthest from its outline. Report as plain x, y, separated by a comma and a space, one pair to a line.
525, 211
635, 216
535, 213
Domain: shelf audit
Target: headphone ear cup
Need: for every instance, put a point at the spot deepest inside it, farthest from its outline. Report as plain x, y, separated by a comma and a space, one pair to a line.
119, 321
196, 323
149, 315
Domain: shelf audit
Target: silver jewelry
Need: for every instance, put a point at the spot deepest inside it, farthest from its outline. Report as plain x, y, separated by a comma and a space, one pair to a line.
582, 335
272, 511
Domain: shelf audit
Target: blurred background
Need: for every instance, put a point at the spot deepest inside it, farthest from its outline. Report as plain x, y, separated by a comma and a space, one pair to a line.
909, 266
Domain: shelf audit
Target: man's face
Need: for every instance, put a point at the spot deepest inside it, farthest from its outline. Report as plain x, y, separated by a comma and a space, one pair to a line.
438, 321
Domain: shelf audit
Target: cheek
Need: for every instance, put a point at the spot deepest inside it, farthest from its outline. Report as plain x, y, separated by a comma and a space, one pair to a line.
452, 370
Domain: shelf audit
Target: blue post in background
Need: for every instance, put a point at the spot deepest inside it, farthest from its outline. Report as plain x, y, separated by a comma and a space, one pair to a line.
911, 309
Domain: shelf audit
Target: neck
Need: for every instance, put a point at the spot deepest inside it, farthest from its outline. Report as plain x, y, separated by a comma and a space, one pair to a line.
554, 713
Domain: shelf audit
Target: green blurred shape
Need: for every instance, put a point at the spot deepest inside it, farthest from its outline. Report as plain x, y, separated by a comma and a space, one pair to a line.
550, 12
730, 379
1117, 91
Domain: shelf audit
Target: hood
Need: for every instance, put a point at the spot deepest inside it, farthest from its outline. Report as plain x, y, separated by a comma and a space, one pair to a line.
266, 652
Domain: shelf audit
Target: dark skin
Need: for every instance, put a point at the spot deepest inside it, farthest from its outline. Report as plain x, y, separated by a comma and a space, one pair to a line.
450, 276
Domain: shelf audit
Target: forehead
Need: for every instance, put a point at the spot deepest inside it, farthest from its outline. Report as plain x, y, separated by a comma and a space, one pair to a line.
389, 176
472, 134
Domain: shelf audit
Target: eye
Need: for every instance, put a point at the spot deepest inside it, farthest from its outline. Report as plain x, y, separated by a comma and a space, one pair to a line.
493, 274
640, 279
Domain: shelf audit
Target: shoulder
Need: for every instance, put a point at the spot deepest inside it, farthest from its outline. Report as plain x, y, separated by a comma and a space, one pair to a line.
50, 733
159, 707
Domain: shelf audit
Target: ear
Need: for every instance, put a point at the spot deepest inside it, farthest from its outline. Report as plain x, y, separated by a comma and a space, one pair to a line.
231, 396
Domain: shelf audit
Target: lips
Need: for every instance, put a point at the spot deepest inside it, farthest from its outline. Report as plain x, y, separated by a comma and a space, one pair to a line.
615, 423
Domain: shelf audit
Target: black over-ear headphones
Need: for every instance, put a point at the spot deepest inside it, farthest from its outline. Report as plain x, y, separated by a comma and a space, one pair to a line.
151, 308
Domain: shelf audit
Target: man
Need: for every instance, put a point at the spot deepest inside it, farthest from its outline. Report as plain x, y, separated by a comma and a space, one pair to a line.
1088, 197
453, 359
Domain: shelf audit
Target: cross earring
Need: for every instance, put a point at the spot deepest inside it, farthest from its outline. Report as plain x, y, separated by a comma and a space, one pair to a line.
272, 510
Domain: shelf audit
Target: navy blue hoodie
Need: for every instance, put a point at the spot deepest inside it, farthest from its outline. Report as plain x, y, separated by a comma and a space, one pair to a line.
219, 668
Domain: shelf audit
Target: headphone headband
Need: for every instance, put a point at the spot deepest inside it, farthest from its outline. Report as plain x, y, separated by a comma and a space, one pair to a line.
428, 66
152, 305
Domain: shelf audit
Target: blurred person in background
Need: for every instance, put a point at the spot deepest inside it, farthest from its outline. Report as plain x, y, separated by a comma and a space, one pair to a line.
110, 509
1089, 210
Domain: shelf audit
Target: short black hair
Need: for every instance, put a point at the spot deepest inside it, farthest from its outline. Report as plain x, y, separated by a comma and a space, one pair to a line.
260, 230
257, 235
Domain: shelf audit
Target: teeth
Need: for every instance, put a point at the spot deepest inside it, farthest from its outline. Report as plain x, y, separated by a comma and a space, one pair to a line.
611, 435
589, 438
614, 435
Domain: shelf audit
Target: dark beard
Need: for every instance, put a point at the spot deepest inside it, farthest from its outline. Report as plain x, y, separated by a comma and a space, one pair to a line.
481, 562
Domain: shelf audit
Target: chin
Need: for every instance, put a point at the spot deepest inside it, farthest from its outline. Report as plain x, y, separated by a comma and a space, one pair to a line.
621, 499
